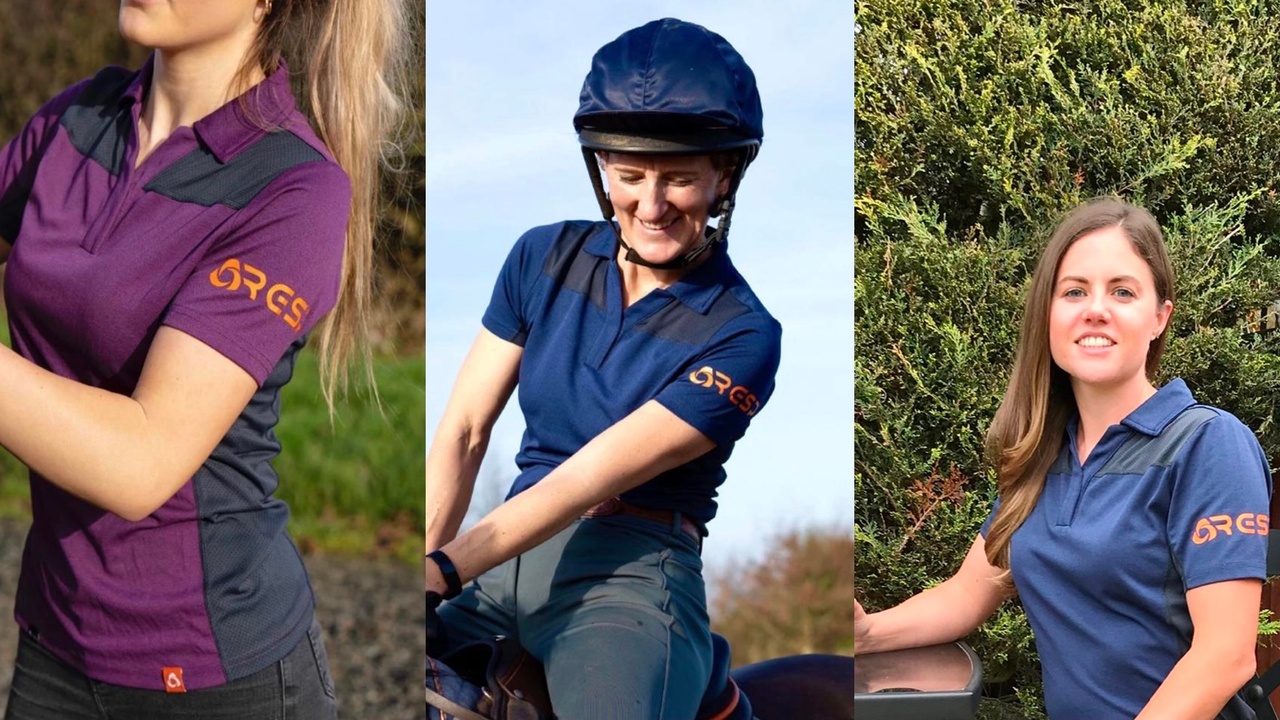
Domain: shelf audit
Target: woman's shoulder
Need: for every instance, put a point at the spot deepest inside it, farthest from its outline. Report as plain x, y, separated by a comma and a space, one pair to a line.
1209, 427
572, 234
103, 88
1219, 422
1209, 442
756, 315
558, 243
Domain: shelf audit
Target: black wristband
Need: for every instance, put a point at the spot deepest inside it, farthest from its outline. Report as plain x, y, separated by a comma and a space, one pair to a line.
452, 582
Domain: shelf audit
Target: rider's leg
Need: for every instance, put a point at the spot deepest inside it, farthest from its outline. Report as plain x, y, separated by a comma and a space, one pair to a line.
484, 609
615, 608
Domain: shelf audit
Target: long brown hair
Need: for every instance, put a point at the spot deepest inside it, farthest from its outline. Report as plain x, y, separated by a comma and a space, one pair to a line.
353, 56
1027, 433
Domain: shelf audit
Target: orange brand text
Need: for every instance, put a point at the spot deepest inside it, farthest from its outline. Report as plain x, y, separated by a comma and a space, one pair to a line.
279, 298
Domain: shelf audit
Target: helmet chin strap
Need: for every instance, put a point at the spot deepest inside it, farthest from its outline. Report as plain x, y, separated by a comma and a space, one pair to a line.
679, 263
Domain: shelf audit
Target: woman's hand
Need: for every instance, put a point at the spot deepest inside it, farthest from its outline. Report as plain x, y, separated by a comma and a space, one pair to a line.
434, 627
943, 613
861, 625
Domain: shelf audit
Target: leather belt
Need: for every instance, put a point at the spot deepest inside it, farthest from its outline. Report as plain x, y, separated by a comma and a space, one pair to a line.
616, 506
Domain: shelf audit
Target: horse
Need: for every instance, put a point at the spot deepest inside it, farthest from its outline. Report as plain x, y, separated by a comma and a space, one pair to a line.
798, 686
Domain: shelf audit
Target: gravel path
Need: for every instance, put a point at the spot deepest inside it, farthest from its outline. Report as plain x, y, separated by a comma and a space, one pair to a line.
371, 611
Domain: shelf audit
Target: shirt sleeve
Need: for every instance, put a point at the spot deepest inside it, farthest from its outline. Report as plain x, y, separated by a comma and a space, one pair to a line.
274, 275
1219, 505
506, 315
20, 159
728, 384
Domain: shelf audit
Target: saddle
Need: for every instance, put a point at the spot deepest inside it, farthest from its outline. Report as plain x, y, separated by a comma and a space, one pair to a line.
498, 680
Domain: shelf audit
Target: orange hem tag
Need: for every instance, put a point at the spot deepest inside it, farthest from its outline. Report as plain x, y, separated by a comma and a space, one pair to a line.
173, 680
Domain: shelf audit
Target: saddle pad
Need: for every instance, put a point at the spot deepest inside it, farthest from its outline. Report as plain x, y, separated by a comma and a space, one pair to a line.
449, 694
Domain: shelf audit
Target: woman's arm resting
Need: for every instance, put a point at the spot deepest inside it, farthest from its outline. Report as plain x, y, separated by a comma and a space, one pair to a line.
126, 455
644, 444
943, 613
1221, 659
484, 384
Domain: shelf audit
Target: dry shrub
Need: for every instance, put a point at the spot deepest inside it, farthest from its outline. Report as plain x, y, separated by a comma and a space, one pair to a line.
797, 599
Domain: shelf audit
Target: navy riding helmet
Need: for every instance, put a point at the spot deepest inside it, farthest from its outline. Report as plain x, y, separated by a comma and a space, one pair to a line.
670, 88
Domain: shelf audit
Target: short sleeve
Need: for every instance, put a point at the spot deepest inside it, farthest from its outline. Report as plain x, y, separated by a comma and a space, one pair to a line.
505, 316
274, 275
20, 159
1219, 505
730, 382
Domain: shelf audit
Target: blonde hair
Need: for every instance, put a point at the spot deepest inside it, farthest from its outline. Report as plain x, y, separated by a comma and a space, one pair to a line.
1026, 435
353, 57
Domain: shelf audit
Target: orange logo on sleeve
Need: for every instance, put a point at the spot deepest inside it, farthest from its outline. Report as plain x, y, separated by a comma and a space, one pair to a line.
739, 395
1208, 528
279, 299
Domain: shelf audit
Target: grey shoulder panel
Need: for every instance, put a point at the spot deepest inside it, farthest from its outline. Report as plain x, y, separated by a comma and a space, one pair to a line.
574, 267
1143, 451
199, 178
95, 123
677, 322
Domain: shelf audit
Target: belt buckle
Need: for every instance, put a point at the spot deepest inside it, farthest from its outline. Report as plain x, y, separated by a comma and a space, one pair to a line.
612, 506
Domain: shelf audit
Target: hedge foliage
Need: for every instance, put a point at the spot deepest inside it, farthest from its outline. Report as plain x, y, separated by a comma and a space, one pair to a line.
979, 122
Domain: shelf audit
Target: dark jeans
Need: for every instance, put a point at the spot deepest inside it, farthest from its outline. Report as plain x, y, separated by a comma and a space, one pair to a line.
295, 688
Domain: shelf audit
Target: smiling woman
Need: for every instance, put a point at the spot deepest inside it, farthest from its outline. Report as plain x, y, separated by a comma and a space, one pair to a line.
609, 329
503, 157
1105, 483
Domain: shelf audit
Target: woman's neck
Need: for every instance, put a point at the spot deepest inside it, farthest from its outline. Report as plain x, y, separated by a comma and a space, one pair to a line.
1102, 407
638, 280
187, 85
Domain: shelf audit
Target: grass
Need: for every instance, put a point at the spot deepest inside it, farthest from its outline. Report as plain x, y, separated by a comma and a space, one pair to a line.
355, 486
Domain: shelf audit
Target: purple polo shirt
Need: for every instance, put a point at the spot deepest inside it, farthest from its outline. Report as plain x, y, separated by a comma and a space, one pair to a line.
234, 235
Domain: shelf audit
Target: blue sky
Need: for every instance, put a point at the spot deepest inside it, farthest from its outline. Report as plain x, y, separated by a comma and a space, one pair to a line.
502, 86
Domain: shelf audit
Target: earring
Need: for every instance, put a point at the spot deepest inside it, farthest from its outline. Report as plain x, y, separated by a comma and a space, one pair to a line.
268, 12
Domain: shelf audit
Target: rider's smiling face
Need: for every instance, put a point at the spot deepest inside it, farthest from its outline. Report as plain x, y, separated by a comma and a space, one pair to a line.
663, 203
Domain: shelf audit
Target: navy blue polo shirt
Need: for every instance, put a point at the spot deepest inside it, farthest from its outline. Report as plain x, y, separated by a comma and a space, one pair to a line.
705, 348
1174, 497
233, 234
